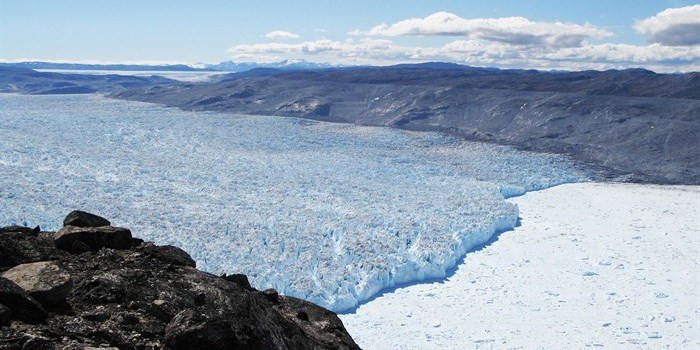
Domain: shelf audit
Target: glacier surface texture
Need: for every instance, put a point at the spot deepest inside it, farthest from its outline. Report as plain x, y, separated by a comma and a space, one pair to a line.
331, 213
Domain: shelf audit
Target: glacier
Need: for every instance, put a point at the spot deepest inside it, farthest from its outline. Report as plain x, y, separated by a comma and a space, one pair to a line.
330, 213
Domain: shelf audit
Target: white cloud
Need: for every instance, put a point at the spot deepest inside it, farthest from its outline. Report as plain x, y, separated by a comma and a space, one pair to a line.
479, 53
357, 51
281, 35
517, 31
673, 27
632, 54
513, 42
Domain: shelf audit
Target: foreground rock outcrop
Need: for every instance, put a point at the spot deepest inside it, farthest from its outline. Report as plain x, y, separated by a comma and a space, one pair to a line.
93, 286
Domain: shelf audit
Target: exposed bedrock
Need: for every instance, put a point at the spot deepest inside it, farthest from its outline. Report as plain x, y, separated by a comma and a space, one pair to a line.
137, 295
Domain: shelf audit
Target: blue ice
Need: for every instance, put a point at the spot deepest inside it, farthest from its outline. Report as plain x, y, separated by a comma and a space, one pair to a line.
331, 213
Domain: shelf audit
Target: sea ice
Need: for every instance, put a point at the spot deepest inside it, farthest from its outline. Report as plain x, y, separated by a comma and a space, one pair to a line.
331, 213
526, 289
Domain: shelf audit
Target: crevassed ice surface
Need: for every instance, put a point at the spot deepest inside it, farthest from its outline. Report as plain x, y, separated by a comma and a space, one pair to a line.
331, 213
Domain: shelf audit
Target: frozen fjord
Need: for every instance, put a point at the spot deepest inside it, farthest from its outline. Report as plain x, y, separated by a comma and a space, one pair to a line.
331, 213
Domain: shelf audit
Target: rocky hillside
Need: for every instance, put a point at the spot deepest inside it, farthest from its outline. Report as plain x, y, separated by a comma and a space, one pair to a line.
92, 285
28, 81
635, 125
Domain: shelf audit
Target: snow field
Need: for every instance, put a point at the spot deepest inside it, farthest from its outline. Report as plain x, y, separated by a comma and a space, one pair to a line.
331, 213
611, 266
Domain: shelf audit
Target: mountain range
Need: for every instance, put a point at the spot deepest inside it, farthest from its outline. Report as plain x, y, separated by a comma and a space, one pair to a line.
226, 66
632, 125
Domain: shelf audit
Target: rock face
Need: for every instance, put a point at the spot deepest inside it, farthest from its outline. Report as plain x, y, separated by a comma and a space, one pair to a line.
142, 296
76, 239
44, 281
21, 305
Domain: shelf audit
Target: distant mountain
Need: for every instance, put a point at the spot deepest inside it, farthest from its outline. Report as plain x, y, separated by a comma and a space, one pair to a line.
114, 67
227, 66
632, 123
28, 81
231, 66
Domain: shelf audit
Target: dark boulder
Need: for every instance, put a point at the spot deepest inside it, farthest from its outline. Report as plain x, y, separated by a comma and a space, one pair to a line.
45, 281
169, 254
83, 219
23, 306
80, 239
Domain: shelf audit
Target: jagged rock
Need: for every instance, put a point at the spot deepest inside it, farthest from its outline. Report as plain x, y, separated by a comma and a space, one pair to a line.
83, 219
23, 306
149, 297
80, 239
45, 281
5, 315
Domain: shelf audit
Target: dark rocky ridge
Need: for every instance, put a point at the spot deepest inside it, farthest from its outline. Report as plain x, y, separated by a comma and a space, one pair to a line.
633, 124
142, 296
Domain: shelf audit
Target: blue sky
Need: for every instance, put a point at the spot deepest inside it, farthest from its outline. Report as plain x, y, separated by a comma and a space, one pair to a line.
479, 32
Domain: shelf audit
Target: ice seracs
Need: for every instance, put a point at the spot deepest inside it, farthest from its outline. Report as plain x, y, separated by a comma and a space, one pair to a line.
332, 213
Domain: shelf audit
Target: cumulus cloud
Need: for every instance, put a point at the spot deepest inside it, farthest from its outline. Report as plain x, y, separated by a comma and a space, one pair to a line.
280, 35
629, 54
673, 27
513, 42
359, 51
517, 31
479, 53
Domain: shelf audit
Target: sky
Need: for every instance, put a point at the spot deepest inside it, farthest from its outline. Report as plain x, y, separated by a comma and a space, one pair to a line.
662, 35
